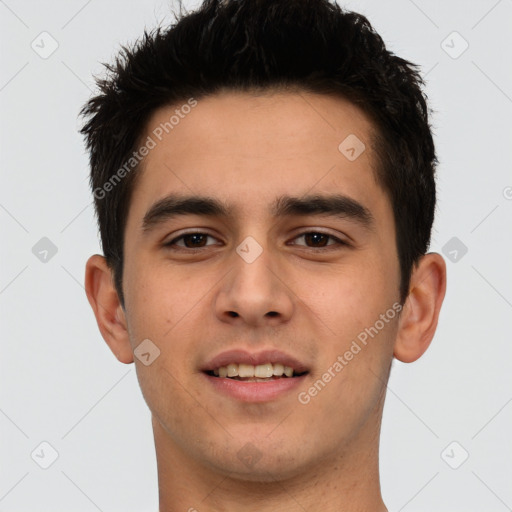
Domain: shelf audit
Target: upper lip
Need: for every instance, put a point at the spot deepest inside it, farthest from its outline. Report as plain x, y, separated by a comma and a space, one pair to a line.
241, 356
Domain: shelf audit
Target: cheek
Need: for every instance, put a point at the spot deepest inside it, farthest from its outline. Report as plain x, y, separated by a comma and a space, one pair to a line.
352, 376
160, 305
349, 298
355, 320
163, 390
158, 299
166, 307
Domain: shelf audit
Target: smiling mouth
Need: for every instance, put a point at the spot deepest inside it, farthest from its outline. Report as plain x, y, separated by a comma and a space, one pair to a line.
250, 373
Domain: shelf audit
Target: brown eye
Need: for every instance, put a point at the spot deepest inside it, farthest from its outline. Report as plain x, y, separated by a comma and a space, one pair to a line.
318, 240
190, 240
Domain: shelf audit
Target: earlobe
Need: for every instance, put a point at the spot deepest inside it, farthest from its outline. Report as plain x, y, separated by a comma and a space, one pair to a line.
419, 317
104, 300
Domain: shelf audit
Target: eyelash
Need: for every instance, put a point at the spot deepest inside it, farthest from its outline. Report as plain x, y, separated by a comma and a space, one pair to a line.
338, 241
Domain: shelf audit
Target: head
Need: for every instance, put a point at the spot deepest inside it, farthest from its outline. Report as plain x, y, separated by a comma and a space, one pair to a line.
274, 121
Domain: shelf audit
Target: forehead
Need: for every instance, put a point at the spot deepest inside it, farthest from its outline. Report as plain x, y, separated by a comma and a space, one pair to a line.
247, 149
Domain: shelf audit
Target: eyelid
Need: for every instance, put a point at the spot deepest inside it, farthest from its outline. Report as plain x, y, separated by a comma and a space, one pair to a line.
339, 241
192, 231
202, 231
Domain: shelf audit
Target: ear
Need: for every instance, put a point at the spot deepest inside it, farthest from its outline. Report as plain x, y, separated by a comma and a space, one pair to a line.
418, 320
110, 316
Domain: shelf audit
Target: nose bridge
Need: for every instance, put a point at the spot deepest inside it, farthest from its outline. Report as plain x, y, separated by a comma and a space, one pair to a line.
252, 290
252, 270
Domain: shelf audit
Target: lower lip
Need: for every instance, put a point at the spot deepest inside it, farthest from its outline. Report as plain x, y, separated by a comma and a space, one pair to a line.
255, 391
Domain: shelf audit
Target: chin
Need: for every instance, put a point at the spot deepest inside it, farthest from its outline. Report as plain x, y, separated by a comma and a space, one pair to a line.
257, 460
263, 471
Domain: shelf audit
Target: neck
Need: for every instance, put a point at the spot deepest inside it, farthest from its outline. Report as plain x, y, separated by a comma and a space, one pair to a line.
348, 481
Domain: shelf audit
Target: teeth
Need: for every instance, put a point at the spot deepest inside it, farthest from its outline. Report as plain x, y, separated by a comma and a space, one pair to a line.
245, 370
278, 369
261, 371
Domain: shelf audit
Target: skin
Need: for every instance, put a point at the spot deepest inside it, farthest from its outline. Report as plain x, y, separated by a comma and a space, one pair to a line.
247, 150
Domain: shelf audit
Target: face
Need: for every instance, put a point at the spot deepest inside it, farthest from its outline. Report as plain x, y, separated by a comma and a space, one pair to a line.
262, 267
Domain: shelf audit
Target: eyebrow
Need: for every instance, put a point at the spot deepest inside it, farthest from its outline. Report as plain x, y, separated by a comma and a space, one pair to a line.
336, 205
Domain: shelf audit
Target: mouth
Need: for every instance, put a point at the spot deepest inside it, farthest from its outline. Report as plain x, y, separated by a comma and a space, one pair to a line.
254, 377
255, 373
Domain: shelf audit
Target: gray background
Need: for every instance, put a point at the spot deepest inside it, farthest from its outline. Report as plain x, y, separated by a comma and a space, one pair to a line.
60, 384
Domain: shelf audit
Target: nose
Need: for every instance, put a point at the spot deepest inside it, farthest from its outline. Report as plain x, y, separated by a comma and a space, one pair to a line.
256, 293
